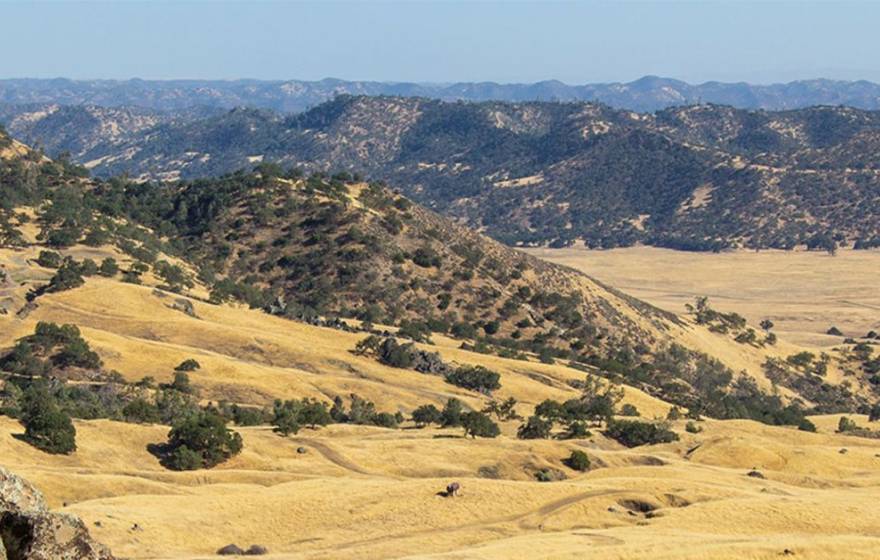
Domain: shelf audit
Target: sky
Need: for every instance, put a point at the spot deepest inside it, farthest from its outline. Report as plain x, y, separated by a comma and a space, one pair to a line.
442, 41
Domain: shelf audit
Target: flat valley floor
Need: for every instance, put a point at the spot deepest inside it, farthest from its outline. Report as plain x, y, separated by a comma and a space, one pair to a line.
803, 293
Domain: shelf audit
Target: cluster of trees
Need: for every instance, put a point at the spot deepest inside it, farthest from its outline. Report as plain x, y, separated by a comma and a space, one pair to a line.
50, 347
733, 323
390, 352
596, 405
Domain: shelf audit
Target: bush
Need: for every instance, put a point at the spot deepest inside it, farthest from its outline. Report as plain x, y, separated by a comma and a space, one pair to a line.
427, 257
475, 378
108, 268
629, 410
286, 417
451, 416
49, 259
290, 415
846, 425
426, 414
185, 459
188, 365
140, 411
477, 424
314, 413
633, 433
806, 426
201, 440
67, 277
578, 460
181, 383
692, 428
385, 420
535, 428
47, 427
249, 416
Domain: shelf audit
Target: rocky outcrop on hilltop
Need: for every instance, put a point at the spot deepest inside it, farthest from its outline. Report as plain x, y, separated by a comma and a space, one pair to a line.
29, 531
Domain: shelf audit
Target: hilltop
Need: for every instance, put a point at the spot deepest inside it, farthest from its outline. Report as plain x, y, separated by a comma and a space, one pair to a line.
701, 177
649, 93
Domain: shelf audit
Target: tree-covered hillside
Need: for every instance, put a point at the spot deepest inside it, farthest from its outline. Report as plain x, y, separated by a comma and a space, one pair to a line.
699, 178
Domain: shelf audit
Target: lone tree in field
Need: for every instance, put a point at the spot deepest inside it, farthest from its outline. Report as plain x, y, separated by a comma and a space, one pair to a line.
201, 441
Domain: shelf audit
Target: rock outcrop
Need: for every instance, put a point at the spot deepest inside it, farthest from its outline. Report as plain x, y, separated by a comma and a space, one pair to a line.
29, 531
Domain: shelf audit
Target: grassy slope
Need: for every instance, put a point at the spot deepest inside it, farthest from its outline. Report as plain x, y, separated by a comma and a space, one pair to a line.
364, 492
370, 493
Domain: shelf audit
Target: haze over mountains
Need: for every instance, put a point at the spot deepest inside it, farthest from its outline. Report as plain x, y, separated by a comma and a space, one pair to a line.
649, 93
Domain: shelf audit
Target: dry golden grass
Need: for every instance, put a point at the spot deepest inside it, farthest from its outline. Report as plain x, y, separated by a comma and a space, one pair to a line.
371, 493
364, 492
804, 293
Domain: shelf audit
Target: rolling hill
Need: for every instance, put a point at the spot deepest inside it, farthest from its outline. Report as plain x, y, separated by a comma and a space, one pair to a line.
699, 178
246, 274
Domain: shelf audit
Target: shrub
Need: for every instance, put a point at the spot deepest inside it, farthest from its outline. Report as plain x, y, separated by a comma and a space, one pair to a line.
629, 410
314, 413
451, 416
108, 268
185, 459
248, 416
846, 425
385, 420
188, 365
140, 411
181, 383
535, 428
477, 424
427, 414
67, 277
692, 428
806, 426
49, 259
576, 430
504, 410
550, 410
475, 378
286, 418
427, 257
47, 427
201, 440
578, 460
88, 267
633, 433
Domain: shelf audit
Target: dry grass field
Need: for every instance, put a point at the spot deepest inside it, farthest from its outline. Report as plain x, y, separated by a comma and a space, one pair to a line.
803, 293
370, 493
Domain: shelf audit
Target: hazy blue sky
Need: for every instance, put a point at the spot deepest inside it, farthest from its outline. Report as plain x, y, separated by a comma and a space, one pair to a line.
575, 42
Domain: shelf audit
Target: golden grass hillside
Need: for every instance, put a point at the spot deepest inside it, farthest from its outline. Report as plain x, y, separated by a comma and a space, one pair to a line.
370, 493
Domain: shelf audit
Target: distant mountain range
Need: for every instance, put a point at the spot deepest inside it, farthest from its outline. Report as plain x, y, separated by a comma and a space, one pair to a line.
649, 93
701, 177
